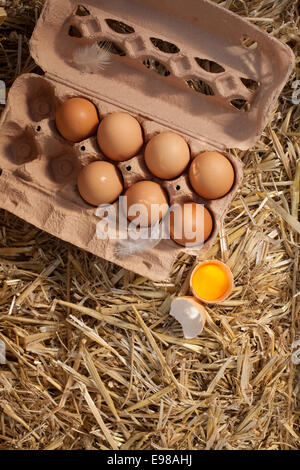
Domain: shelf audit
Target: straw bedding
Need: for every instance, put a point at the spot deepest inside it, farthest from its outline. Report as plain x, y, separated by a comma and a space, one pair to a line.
94, 361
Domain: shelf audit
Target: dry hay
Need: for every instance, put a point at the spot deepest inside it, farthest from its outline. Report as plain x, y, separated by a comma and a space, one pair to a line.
94, 361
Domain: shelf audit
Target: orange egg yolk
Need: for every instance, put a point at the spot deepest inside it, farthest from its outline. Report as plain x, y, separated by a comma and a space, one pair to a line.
210, 282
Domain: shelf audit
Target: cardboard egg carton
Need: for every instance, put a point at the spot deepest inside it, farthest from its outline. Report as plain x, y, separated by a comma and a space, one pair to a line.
39, 167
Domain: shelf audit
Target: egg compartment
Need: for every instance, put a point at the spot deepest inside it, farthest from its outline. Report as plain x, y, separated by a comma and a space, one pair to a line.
202, 71
17, 145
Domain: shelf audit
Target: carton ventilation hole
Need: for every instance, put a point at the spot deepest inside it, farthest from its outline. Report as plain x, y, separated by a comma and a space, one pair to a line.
112, 47
82, 11
74, 32
209, 65
178, 187
165, 46
250, 84
120, 27
128, 168
240, 104
200, 87
157, 67
248, 42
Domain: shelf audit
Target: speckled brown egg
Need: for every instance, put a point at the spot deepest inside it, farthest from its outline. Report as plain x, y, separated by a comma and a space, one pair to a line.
191, 224
167, 155
100, 183
211, 175
77, 119
153, 199
120, 136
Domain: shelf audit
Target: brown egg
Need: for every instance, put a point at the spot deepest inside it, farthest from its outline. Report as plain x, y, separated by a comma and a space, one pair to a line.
100, 183
153, 200
120, 136
167, 155
77, 119
190, 224
211, 175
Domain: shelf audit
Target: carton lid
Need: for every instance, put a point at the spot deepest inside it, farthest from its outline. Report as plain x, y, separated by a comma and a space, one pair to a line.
218, 61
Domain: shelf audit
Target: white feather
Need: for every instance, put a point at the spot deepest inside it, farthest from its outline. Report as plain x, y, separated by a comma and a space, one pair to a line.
92, 59
130, 247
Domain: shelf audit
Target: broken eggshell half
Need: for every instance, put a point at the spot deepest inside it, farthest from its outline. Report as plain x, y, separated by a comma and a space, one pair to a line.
190, 314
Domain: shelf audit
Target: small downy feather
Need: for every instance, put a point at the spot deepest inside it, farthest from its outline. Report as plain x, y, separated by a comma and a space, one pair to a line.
131, 247
92, 58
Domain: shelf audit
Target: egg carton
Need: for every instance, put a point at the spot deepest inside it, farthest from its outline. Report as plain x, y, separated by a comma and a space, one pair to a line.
217, 61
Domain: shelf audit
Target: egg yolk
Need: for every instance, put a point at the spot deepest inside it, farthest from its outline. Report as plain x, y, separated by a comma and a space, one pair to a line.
210, 282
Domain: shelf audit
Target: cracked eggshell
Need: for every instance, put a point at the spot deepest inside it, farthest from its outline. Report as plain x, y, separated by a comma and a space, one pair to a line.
190, 314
